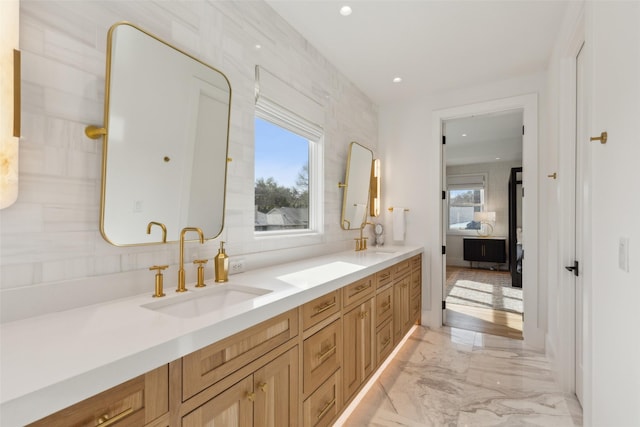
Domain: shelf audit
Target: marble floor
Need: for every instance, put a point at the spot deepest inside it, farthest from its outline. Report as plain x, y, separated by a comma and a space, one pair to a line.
454, 377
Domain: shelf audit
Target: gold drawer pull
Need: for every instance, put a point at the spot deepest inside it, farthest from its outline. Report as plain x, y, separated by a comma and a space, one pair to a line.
105, 421
251, 396
263, 387
324, 307
360, 289
326, 408
327, 352
386, 342
364, 314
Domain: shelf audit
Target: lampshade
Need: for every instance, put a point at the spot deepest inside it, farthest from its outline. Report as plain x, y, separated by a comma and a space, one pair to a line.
489, 217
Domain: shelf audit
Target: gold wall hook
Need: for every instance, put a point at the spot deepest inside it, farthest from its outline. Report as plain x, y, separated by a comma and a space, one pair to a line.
342, 185
553, 175
602, 138
94, 132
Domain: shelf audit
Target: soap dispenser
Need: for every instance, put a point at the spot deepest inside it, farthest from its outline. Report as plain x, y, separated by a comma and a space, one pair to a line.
221, 265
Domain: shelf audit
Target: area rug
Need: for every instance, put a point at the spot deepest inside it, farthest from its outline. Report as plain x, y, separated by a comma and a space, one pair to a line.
483, 288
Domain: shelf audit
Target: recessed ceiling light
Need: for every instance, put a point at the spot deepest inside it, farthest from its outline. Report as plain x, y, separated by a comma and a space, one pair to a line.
397, 79
464, 134
258, 46
497, 158
345, 11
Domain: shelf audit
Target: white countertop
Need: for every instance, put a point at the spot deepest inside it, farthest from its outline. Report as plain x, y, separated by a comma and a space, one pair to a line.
53, 361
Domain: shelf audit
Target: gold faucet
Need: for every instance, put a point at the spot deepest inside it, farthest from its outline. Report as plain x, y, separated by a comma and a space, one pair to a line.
161, 225
361, 242
181, 286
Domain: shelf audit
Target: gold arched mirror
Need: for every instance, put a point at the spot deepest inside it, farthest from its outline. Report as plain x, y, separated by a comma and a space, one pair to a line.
356, 187
166, 128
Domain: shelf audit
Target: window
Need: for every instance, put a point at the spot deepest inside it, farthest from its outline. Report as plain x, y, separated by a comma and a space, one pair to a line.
282, 178
288, 160
466, 195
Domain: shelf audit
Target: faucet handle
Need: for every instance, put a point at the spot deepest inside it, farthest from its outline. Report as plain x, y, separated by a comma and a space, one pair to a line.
159, 280
200, 263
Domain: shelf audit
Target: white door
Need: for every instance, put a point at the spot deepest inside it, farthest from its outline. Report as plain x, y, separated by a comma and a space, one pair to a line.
581, 195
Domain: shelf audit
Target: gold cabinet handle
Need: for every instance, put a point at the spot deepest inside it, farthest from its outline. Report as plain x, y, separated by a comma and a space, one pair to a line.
105, 421
263, 387
364, 314
251, 396
324, 307
326, 408
323, 354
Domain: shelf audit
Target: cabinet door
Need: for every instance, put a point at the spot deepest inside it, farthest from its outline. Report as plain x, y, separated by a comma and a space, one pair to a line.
276, 391
358, 348
231, 408
401, 313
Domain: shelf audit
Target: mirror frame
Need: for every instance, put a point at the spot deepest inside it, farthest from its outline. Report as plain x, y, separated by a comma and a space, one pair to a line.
96, 132
348, 177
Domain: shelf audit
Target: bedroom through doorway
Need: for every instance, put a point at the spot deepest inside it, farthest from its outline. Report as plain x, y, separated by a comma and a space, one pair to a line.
483, 226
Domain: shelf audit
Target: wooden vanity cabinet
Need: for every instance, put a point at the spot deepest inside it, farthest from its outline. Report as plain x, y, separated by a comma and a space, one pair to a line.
300, 367
141, 401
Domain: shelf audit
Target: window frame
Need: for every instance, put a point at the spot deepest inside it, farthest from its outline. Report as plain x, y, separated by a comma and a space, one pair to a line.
470, 184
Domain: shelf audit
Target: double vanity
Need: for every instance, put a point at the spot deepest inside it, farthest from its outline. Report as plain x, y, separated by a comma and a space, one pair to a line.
291, 344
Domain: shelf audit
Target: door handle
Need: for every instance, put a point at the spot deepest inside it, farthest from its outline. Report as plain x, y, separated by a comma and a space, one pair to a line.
575, 268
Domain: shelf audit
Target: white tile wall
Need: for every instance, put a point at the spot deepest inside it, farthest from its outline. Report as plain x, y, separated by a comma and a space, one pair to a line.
52, 254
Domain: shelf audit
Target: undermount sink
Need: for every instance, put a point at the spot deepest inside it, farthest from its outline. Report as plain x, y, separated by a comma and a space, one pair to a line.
384, 252
197, 303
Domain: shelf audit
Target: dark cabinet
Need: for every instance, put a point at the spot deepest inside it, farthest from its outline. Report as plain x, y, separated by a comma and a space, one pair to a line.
485, 250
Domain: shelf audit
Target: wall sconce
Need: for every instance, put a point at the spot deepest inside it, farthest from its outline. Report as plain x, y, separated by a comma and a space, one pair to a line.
374, 190
9, 101
485, 218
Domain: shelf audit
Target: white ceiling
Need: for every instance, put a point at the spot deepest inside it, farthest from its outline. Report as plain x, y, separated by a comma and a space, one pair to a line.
433, 45
487, 138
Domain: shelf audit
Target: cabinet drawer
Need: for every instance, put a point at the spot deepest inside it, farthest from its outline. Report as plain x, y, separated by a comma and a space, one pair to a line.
416, 282
320, 308
133, 403
358, 291
321, 408
384, 277
384, 306
384, 341
210, 364
322, 356
401, 269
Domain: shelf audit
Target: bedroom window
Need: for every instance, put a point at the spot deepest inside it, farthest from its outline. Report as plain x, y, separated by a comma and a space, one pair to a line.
466, 195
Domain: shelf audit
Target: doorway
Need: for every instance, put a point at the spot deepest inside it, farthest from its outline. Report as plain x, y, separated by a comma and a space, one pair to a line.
482, 290
533, 332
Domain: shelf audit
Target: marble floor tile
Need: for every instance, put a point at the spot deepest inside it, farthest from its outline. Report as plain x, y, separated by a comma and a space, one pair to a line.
450, 377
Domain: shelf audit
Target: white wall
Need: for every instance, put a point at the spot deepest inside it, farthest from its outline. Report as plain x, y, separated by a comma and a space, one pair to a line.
52, 254
613, 40
411, 177
611, 31
496, 200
